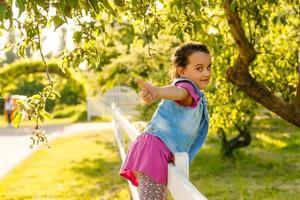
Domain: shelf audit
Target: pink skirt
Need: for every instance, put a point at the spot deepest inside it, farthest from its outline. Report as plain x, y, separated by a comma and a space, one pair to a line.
149, 155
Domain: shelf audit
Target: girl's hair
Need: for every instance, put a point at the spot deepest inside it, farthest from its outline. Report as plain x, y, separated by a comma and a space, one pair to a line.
181, 56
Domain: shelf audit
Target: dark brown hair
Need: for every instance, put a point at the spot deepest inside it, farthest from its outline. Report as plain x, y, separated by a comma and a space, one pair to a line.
181, 56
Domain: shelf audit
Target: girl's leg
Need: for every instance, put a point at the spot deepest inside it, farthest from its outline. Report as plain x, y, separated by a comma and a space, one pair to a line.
151, 190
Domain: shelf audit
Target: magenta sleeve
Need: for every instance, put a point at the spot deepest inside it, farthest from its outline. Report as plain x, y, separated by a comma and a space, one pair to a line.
191, 90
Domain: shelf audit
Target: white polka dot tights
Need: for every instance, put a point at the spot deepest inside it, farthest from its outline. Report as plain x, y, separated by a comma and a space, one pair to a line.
148, 189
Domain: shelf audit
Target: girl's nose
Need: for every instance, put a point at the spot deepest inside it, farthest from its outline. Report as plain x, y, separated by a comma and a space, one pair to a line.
207, 72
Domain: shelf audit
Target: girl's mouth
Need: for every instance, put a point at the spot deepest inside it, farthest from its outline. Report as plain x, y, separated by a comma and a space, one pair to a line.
204, 80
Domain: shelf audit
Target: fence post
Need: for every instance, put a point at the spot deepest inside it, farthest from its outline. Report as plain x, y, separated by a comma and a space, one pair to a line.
121, 147
182, 163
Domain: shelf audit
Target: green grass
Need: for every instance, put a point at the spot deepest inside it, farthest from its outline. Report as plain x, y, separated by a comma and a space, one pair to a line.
86, 167
83, 166
268, 169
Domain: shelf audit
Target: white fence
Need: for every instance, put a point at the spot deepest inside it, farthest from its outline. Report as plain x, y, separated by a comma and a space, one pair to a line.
178, 184
124, 97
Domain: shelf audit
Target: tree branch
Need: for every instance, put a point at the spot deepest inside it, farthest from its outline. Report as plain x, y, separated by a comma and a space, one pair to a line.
246, 50
261, 93
239, 73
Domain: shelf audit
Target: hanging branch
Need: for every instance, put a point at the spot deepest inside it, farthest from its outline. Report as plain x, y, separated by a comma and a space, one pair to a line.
146, 28
247, 52
44, 61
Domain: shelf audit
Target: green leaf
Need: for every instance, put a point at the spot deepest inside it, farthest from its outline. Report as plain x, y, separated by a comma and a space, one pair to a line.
272, 1
17, 119
233, 6
36, 96
21, 50
119, 3
106, 39
41, 3
106, 5
21, 5
58, 21
56, 93
47, 115
68, 11
2, 12
95, 6
73, 3
20, 102
77, 36
8, 46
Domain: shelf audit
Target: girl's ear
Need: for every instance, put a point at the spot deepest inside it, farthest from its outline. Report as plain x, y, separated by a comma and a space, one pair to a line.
180, 71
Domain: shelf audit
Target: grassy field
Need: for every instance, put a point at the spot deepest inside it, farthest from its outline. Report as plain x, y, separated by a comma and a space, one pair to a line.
86, 166
268, 169
83, 166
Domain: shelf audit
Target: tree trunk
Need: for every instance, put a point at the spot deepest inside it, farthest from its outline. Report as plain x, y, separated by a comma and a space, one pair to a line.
239, 73
242, 140
297, 102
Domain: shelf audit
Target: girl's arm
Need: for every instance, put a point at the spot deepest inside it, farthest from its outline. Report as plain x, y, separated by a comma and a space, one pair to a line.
150, 93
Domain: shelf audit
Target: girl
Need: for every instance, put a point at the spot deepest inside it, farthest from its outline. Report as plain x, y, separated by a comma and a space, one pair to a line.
179, 124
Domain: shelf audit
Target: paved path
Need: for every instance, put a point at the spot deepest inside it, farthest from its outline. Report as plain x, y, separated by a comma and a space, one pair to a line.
14, 143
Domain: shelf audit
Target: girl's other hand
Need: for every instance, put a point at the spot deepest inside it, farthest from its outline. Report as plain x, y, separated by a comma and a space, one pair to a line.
149, 93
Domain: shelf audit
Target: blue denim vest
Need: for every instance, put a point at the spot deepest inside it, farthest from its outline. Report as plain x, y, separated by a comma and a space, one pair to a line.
181, 128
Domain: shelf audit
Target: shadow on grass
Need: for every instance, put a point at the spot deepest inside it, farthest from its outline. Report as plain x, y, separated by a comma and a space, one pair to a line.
95, 167
102, 172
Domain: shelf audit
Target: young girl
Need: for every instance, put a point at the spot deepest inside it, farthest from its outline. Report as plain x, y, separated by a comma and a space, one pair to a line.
179, 124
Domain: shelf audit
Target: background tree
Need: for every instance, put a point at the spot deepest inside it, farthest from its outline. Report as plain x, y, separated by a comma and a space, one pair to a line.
11, 55
251, 37
247, 23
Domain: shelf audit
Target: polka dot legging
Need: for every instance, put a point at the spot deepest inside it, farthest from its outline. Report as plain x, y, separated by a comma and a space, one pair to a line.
151, 190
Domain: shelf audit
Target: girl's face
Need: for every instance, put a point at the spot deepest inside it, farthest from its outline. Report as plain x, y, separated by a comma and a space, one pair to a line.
198, 69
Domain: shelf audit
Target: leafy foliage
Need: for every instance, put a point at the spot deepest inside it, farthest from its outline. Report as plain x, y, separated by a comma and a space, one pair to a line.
114, 38
34, 108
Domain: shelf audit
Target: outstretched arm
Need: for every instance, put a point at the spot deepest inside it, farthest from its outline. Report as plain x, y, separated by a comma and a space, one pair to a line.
150, 93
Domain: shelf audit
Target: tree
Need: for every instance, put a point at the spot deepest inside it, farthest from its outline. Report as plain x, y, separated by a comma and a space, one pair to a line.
250, 37
239, 74
11, 55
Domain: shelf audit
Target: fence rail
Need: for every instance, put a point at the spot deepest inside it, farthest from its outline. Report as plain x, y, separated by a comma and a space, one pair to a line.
178, 184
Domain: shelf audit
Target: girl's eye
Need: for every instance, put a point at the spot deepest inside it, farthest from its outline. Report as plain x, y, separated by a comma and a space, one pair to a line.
199, 68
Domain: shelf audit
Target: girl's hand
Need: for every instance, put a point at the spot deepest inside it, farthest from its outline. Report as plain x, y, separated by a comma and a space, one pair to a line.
149, 93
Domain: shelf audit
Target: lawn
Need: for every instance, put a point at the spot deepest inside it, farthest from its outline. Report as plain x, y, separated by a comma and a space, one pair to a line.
269, 169
83, 166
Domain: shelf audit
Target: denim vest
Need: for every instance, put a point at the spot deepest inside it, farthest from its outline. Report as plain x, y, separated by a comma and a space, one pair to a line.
181, 128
